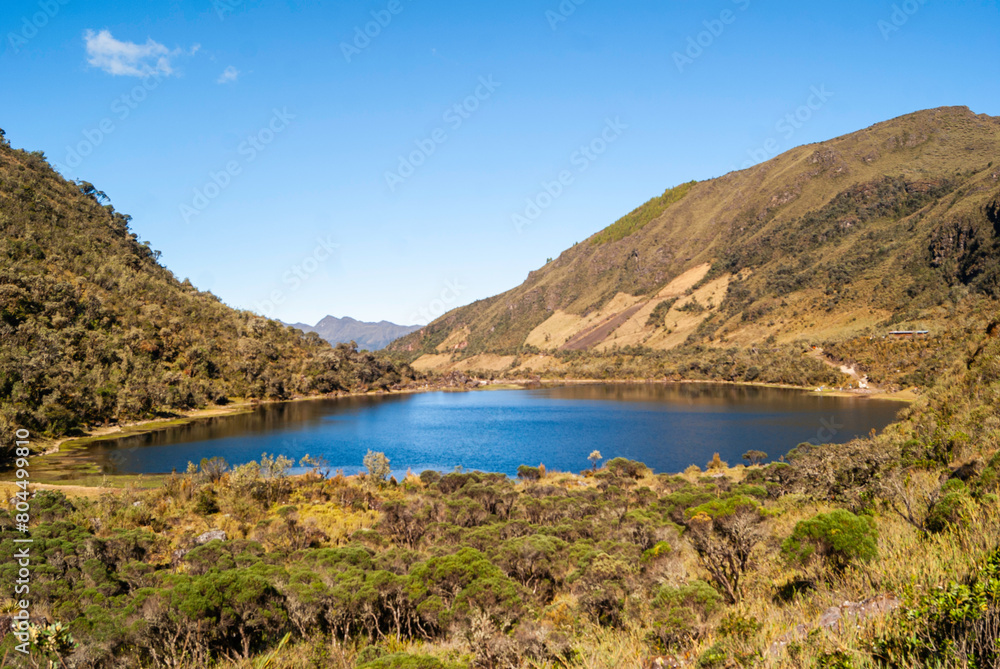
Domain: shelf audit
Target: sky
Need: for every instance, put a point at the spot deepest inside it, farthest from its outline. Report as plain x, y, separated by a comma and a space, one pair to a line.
393, 159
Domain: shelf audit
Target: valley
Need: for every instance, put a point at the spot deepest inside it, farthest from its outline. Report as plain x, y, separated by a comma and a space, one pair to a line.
654, 452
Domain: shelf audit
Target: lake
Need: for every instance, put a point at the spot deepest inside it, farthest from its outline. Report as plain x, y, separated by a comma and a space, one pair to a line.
666, 426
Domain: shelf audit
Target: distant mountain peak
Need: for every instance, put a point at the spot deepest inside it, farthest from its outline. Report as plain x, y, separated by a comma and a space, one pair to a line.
370, 336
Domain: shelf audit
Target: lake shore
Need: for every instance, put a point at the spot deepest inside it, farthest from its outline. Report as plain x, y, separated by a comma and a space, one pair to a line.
64, 462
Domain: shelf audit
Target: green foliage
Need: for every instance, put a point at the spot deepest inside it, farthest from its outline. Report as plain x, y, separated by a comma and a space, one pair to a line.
377, 465
637, 219
429, 476
657, 318
953, 625
680, 614
528, 473
626, 468
839, 537
952, 508
404, 661
722, 508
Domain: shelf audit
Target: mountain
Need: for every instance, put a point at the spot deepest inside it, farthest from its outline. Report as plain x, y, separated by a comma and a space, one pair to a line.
368, 336
890, 227
95, 330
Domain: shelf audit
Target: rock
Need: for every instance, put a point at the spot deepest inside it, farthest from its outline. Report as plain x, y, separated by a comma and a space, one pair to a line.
874, 606
830, 617
661, 662
779, 644
211, 535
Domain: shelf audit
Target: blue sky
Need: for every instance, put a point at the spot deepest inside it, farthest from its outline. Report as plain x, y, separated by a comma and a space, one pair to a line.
293, 165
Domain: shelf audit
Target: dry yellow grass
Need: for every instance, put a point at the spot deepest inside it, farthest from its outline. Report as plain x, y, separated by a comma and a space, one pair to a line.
454, 341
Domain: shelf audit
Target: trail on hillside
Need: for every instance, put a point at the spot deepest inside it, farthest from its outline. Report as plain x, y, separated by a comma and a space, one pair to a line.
861, 381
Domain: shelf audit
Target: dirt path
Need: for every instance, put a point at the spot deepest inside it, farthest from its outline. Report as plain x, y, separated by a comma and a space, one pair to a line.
861, 382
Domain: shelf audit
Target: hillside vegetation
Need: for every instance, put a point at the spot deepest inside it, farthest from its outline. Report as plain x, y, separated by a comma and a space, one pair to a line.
892, 227
804, 563
880, 552
95, 330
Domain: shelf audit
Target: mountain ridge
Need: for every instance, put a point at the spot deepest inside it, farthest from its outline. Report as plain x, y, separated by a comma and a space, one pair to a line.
826, 241
97, 331
368, 335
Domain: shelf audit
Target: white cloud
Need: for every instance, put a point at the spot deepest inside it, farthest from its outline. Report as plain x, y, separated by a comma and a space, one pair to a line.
229, 75
128, 58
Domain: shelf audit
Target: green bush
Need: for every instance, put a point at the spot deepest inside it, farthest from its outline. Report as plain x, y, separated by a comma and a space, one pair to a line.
953, 625
952, 508
527, 473
626, 468
429, 476
840, 537
680, 614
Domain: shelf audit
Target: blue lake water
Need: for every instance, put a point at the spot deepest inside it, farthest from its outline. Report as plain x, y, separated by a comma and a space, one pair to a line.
668, 427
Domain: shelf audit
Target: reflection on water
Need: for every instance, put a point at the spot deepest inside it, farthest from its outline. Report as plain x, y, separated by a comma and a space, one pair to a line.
667, 426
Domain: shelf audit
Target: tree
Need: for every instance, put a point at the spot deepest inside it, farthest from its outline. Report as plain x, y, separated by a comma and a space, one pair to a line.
377, 465
528, 473
595, 457
724, 534
755, 457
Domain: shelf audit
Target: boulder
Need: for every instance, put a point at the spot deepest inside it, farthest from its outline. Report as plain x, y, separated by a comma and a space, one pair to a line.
211, 535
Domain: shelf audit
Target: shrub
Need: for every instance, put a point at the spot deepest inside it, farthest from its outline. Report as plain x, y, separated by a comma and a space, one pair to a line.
377, 465
430, 476
680, 614
716, 463
755, 457
627, 468
840, 537
214, 468
947, 625
206, 503
527, 473
952, 508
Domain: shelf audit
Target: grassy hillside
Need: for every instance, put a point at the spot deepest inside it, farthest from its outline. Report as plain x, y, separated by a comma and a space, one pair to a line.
894, 226
95, 330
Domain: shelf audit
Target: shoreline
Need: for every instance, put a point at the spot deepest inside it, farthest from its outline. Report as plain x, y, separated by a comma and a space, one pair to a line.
63, 456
